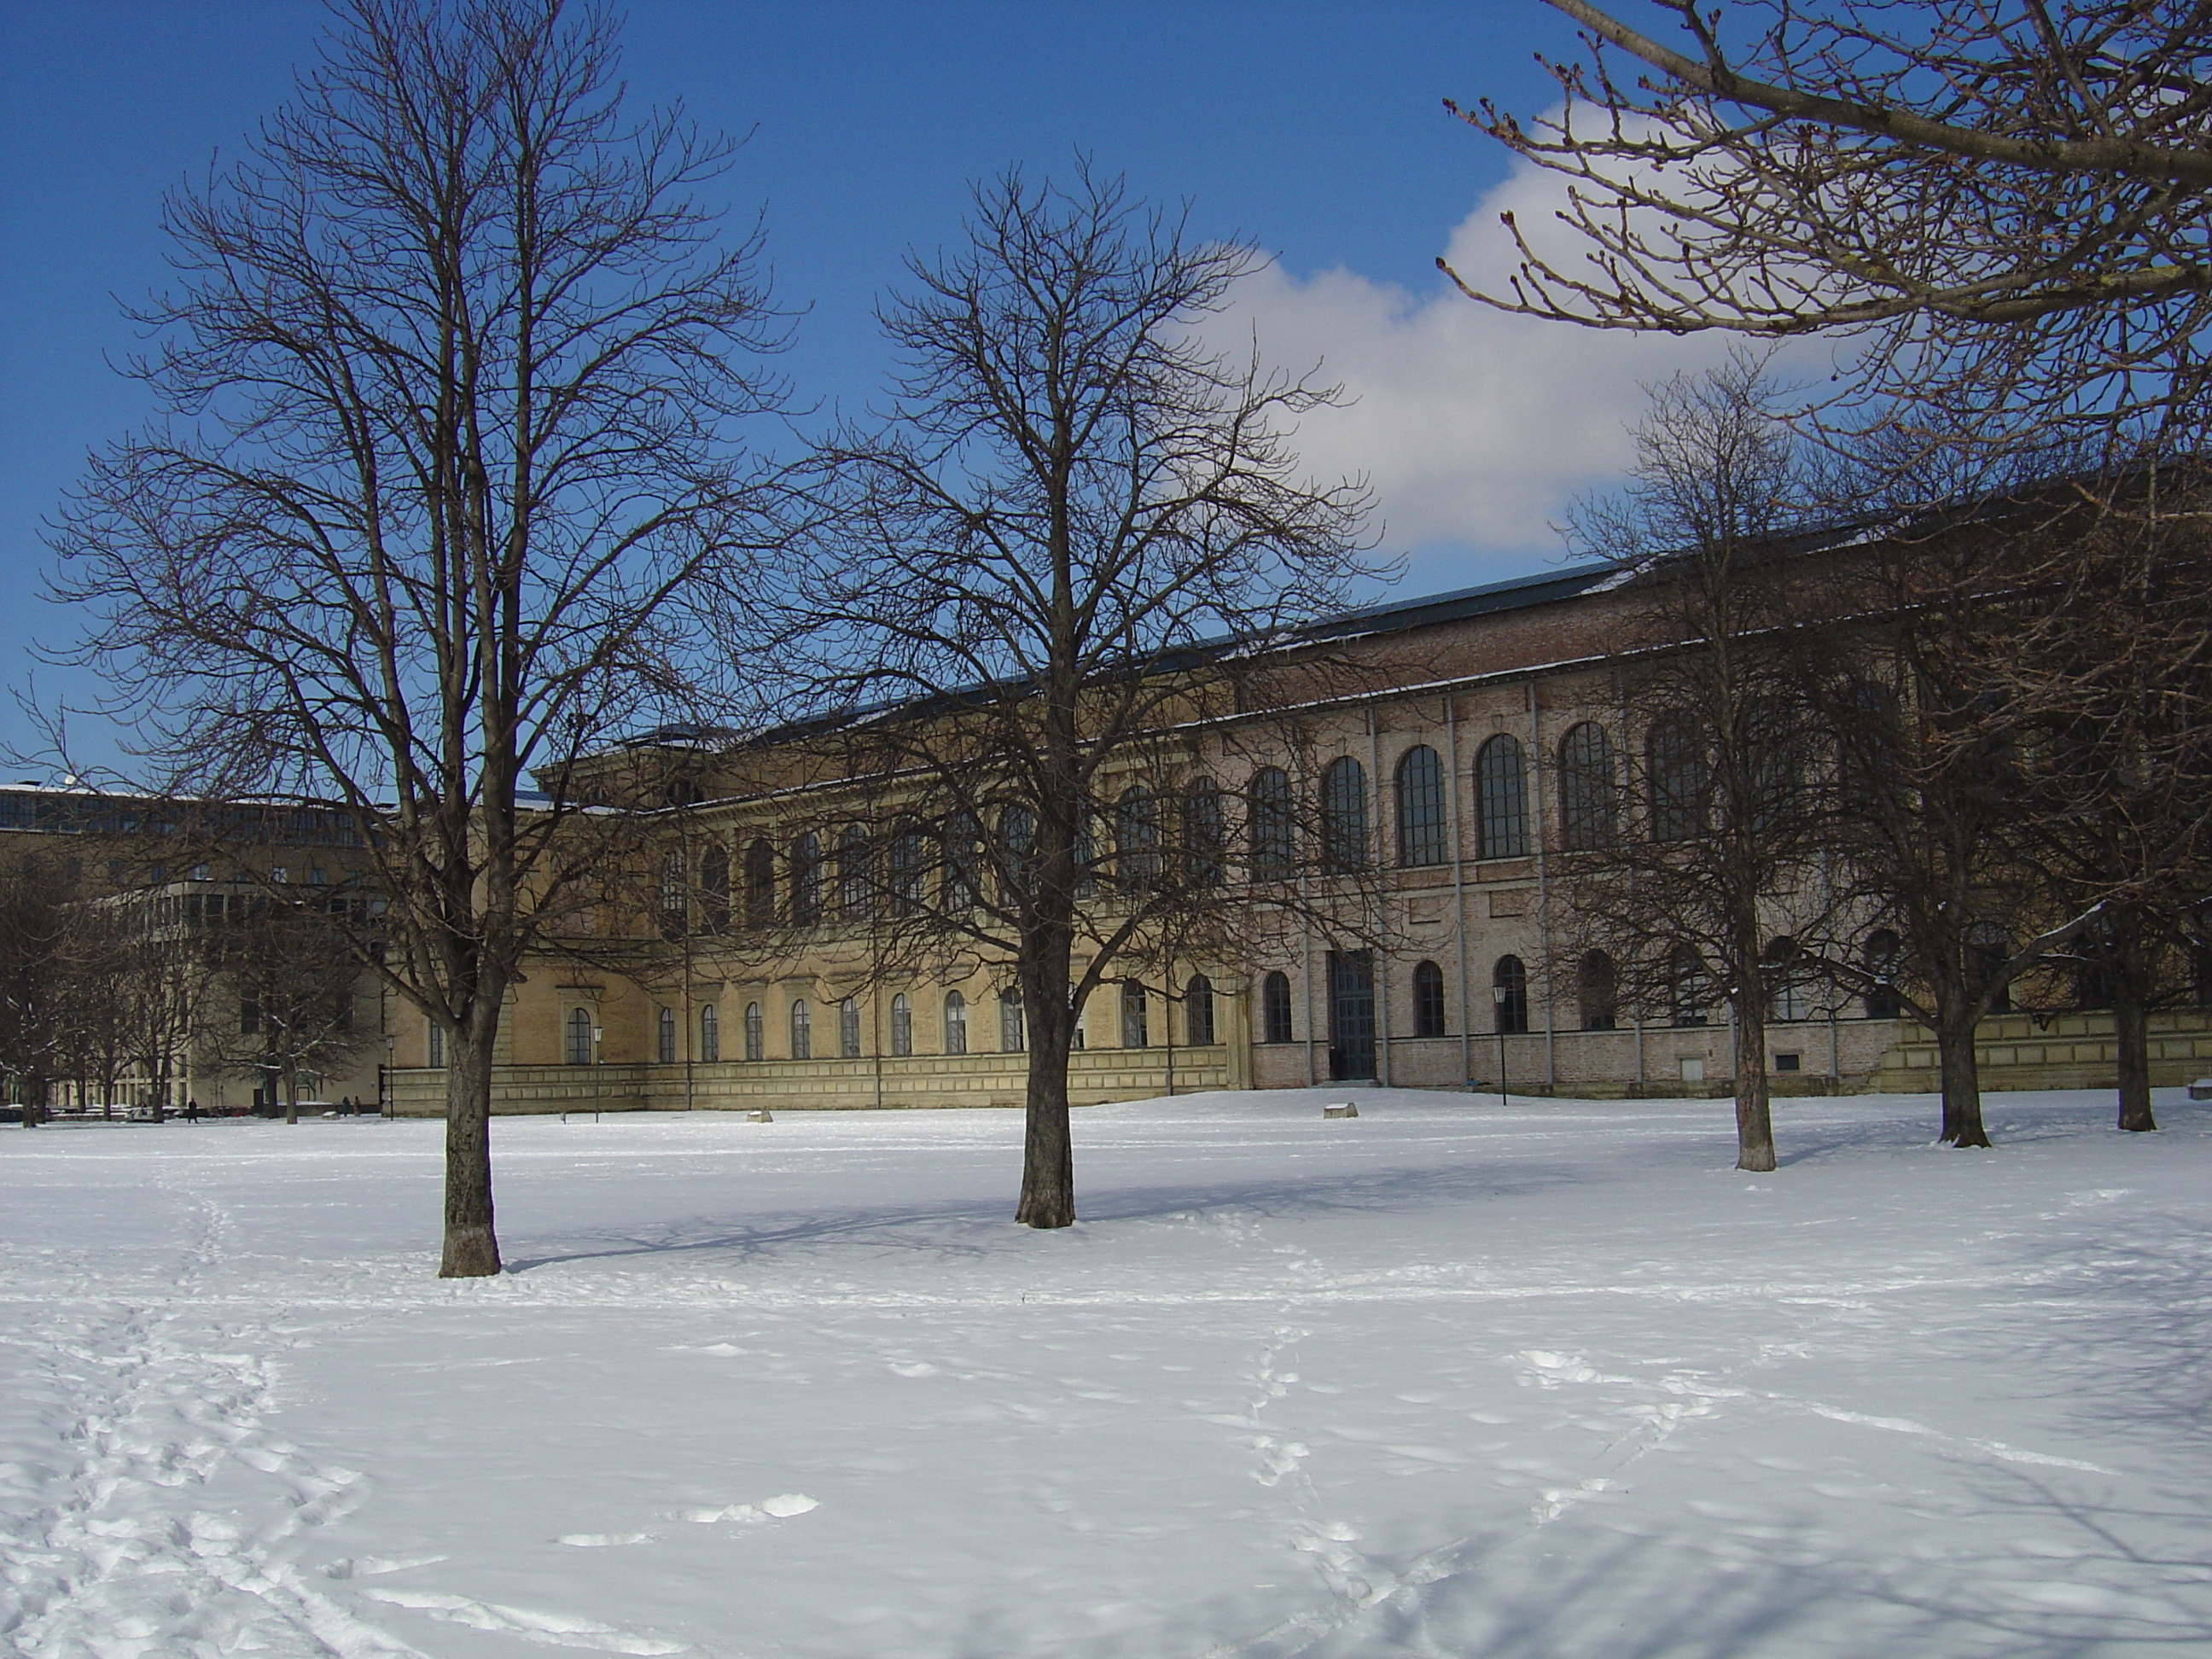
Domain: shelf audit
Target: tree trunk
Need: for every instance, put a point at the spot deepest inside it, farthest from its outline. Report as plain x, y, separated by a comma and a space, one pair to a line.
2132, 1054
1754, 1119
291, 1096
472, 1250
1048, 1153
1962, 1081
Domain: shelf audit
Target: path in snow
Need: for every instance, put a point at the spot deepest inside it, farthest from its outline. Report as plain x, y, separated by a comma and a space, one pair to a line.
1446, 1379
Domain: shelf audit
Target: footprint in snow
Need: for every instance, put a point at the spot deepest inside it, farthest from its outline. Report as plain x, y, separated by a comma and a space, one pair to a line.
780, 1508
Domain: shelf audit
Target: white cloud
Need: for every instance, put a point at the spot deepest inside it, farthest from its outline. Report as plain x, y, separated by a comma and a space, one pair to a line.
1475, 428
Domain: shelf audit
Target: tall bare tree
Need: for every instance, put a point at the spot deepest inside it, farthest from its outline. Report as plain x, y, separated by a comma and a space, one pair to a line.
1721, 860
452, 365
1039, 563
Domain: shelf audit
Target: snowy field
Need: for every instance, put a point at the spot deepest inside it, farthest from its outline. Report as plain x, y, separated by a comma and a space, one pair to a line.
1447, 1379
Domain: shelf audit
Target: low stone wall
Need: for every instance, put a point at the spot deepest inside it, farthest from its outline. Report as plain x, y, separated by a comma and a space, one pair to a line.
2056, 1051
905, 1083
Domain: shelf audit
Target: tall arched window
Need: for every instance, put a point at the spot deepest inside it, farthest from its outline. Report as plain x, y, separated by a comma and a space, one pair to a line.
1509, 993
1868, 740
1681, 778
1774, 744
1786, 1002
901, 1024
673, 895
1501, 799
1428, 999
802, 1029
434, 1044
1275, 1009
906, 868
710, 1035
1083, 850
849, 1029
1685, 980
1198, 1012
760, 885
1880, 956
955, 1023
714, 889
856, 877
1343, 816
963, 885
1597, 991
1014, 1027
807, 880
1590, 808
664, 1037
1205, 856
1420, 807
1137, 838
1136, 1028
756, 1032
579, 1037
1016, 853
1269, 814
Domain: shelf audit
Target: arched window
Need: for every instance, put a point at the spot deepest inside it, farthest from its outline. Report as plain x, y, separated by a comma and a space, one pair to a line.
664, 1046
1136, 840
1685, 980
1198, 1012
756, 1032
1205, 861
714, 889
1786, 1001
1597, 991
1501, 799
1275, 1009
1988, 949
1136, 1030
1774, 745
1420, 807
1509, 991
955, 1023
1016, 854
1428, 999
1343, 816
434, 1044
672, 894
906, 862
760, 885
1589, 797
802, 1029
710, 1035
901, 1024
1083, 851
1880, 956
579, 1037
1681, 778
849, 1029
807, 880
855, 876
1868, 741
1269, 815
962, 887
1014, 1027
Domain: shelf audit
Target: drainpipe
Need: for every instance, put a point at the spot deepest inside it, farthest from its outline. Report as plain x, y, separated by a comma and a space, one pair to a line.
1543, 896
1382, 957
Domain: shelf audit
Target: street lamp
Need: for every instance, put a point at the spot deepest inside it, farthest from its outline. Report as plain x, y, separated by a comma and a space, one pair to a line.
1500, 994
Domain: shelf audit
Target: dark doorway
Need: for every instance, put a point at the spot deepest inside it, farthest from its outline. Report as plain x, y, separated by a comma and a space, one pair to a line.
1351, 1015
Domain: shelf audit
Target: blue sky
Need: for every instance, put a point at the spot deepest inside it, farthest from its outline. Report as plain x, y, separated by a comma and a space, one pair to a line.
1312, 131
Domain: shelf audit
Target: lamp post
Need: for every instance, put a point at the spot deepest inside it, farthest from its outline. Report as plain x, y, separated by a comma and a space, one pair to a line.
596, 1033
1499, 994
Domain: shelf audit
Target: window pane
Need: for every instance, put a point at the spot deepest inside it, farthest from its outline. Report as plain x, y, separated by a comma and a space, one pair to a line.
1501, 799
1420, 807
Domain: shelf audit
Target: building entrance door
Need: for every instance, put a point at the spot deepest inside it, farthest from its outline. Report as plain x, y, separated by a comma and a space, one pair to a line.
1351, 1015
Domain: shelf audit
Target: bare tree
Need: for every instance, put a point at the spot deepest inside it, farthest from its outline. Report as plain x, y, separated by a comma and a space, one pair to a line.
452, 367
1041, 571
280, 991
2010, 208
1706, 893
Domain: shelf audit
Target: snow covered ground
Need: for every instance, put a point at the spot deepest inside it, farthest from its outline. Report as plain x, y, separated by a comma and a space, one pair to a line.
1450, 1379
